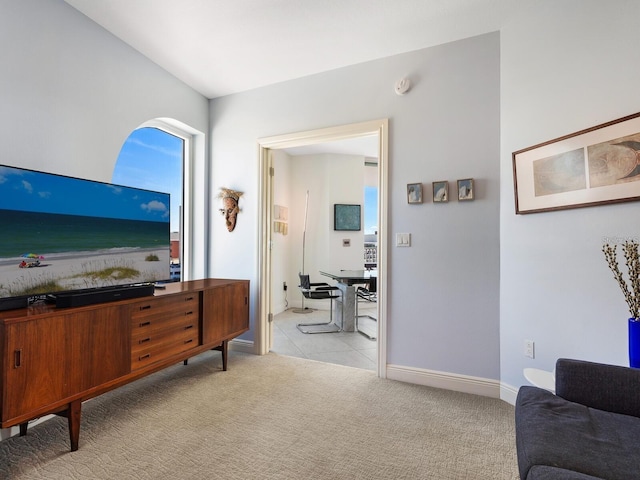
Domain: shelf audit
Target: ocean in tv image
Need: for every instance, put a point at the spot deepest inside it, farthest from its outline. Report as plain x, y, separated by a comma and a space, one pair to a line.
54, 233
63, 233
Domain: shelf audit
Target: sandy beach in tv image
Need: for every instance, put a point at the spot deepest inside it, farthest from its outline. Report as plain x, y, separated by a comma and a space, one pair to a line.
69, 270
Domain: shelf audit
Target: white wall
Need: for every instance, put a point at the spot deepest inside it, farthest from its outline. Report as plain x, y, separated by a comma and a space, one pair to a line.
282, 253
71, 93
566, 66
443, 305
370, 174
343, 182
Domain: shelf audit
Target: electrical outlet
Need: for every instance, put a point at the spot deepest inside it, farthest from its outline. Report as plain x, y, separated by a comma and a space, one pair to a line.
529, 349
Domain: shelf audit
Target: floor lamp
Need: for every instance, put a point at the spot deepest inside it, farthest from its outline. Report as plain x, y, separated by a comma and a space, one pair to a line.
304, 238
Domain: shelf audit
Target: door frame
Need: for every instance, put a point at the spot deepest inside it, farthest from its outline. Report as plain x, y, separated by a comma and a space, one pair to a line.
263, 333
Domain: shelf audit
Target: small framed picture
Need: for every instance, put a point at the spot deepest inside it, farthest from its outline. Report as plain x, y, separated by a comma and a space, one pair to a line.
346, 217
414, 193
465, 190
441, 191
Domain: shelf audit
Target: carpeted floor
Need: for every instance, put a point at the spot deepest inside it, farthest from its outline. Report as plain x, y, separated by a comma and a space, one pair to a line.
272, 417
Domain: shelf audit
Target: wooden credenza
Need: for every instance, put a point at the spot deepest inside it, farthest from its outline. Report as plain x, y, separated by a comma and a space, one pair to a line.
53, 359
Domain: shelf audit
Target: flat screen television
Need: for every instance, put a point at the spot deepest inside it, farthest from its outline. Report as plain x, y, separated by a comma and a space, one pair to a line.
64, 234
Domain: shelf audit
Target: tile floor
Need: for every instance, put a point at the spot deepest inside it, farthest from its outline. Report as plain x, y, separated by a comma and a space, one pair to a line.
343, 348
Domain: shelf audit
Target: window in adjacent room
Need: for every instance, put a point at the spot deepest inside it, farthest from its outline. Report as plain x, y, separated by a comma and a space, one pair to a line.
370, 210
371, 227
154, 160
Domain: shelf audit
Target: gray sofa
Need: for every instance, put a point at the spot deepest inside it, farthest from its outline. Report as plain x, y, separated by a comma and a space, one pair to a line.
588, 430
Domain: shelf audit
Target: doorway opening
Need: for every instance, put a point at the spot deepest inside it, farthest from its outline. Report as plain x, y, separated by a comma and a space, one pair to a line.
268, 150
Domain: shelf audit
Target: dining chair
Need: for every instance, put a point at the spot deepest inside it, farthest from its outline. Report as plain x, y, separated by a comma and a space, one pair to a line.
368, 293
320, 291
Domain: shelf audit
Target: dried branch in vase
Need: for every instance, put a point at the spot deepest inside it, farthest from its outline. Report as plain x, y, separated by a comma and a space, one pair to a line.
630, 289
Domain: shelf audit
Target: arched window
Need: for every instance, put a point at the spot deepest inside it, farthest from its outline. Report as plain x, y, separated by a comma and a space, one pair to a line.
153, 159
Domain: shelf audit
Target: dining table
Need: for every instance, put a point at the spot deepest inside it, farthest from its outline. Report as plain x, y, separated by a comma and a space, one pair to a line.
346, 281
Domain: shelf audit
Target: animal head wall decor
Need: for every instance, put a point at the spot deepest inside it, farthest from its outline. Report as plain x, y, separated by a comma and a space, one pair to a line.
230, 211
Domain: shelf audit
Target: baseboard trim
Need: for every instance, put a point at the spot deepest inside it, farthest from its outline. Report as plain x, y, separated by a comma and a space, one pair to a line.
448, 381
429, 378
508, 393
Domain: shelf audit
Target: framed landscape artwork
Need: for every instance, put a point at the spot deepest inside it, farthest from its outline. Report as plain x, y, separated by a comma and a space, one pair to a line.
466, 190
414, 193
596, 166
440, 191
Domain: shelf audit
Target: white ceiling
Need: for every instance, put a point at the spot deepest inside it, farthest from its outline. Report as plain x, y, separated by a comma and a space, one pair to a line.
220, 47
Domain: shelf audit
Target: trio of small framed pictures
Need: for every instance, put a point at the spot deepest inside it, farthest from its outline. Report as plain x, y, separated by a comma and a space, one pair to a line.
440, 191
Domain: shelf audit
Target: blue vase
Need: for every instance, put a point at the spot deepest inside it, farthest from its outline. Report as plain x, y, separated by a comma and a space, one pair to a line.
634, 343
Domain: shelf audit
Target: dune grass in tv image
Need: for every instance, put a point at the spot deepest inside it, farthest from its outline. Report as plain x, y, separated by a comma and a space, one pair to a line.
62, 233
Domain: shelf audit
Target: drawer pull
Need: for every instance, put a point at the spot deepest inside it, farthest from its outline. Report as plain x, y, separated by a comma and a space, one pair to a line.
190, 312
17, 358
144, 324
188, 299
188, 327
144, 340
145, 307
143, 357
189, 341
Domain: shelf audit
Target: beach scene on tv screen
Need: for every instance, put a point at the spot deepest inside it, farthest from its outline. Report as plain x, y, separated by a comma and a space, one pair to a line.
62, 233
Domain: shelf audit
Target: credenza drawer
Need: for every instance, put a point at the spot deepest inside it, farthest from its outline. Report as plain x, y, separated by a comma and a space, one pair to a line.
160, 323
162, 327
153, 348
142, 337
166, 306
157, 315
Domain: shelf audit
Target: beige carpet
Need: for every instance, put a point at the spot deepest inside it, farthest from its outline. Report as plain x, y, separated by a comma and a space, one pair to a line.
272, 417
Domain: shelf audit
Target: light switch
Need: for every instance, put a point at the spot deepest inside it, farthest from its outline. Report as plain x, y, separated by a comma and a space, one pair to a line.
403, 239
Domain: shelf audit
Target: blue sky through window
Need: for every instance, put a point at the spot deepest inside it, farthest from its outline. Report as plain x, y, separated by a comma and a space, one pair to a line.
152, 159
370, 210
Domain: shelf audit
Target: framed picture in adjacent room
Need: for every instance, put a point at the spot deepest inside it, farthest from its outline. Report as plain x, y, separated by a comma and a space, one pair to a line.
440, 191
465, 190
346, 217
596, 166
414, 193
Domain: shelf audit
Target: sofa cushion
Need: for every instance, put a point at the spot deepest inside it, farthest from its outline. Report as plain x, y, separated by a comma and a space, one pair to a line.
606, 387
544, 472
558, 433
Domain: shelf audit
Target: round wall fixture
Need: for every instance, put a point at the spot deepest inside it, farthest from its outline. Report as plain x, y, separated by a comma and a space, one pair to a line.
402, 86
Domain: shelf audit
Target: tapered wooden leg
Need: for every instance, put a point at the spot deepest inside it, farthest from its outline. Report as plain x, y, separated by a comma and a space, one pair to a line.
73, 417
224, 348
